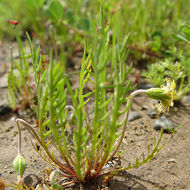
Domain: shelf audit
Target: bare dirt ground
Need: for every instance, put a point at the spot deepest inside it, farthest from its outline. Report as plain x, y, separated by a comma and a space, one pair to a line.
169, 170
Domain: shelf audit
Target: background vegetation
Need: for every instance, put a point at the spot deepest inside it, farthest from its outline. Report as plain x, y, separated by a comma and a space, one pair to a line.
154, 28
150, 23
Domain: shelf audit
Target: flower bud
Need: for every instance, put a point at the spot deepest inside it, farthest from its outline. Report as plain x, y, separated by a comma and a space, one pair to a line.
158, 94
19, 165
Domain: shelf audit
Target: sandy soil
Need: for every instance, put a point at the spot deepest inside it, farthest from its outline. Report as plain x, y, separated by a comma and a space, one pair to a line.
169, 170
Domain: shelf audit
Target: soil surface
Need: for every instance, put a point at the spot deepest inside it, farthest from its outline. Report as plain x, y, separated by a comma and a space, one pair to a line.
169, 170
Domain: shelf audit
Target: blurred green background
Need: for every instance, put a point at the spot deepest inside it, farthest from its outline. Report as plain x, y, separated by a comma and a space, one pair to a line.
60, 22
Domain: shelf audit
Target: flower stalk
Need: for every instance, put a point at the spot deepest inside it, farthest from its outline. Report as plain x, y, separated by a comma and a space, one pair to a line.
165, 95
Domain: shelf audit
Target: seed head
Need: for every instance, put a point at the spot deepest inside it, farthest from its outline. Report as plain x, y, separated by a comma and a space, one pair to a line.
165, 94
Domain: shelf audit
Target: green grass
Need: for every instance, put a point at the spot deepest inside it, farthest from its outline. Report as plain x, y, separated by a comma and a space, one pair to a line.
56, 23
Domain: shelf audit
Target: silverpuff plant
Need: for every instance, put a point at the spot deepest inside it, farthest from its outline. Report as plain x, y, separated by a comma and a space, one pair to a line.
78, 143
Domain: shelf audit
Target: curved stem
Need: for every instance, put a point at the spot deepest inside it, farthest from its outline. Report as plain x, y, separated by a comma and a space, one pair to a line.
132, 95
19, 138
67, 107
29, 127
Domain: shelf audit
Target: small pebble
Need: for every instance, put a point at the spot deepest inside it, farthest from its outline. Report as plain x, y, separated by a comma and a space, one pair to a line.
172, 160
32, 180
13, 118
4, 109
164, 123
186, 99
133, 115
152, 114
144, 107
